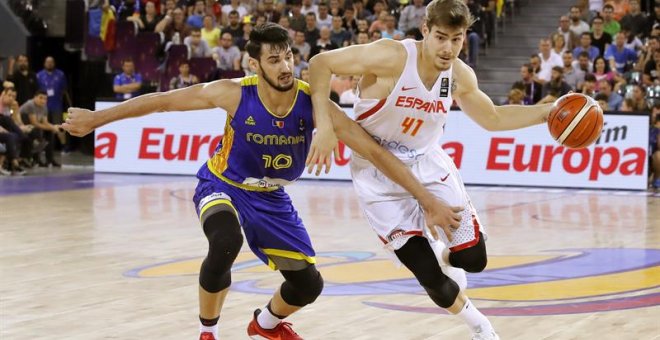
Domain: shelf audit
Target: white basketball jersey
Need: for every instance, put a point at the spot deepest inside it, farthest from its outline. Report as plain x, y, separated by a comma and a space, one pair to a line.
410, 121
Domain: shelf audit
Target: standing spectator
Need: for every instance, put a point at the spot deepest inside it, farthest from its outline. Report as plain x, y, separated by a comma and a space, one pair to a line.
585, 46
527, 84
599, 37
302, 46
296, 17
323, 43
549, 59
227, 55
195, 20
298, 62
210, 32
390, 31
556, 87
577, 25
614, 100
635, 21
620, 58
654, 147
34, 112
572, 76
311, 31
570, 38
324, 19
339, 35
610, 25
53, 82
197, 47
147, 22
25, 81
126, 9
234, 28
128, 83
349, 96
269, 11
234, 5
184, 79
412, 15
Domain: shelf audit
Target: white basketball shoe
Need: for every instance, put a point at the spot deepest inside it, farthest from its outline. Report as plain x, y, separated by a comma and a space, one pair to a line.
456, 274
489, 335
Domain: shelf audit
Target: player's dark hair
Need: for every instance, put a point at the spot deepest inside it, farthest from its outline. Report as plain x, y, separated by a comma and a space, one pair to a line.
451, 13
269, 33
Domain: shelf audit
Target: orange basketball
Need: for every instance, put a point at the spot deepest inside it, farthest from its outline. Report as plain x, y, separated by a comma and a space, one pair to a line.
575, 120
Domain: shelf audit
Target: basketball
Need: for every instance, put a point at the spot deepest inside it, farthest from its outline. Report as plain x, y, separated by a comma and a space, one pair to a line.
575, 120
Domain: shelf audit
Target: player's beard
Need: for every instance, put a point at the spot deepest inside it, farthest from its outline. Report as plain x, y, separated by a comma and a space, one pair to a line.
274, 84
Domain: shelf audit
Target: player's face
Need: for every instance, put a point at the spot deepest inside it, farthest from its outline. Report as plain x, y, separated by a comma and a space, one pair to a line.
442, 44
276, 67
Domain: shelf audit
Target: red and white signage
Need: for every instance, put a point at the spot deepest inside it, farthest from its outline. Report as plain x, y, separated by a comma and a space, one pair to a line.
179, 143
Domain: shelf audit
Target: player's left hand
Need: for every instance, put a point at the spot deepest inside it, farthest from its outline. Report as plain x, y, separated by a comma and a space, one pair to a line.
324, 143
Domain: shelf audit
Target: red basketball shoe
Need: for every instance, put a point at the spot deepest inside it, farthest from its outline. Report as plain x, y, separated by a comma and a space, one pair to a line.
207, 336
282, 331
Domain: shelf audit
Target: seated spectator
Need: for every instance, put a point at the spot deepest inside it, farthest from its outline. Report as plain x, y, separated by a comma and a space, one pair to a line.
12, 138
412, 15
195, 20
284, 22
572, 76
323, 43
578, 26
556, 87
375, 35
197, 46
312, 33
583, 63
128, 83
246, 28
602, 100
349, 96
635, 21
620, 8
235, 5
549, 59
585, 46
298, 62
632, 42
602, 69
599, 38
184, 79
620, 58
415, 34
323, 19
638, 96
652, 69
516, 97
269, 13
34, 113
610, 25
362, 38
147, 22
210, 32
227, 55
589, 85
296, 16
304, 75
614, 100
570, 39
390, 31
302, 46
335, 9
339, 35
234, 27
627, 105
174, 24
532, 88
558, 43
379, 24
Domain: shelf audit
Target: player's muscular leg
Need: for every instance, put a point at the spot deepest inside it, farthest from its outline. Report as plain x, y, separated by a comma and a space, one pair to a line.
223, 232
418, 256
473, 259
300, 288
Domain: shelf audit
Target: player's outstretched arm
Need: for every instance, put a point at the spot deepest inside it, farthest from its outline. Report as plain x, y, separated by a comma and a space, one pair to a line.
478, 106
224, 94
437, 213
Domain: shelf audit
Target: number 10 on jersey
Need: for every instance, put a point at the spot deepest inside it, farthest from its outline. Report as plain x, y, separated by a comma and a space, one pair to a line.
411, 123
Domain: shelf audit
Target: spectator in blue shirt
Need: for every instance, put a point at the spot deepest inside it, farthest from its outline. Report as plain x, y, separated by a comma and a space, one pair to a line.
620, 57
128, 83
585, 45
53, 82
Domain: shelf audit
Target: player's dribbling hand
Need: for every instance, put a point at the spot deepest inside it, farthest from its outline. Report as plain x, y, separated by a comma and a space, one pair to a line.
441, 215
324, 143
79, 122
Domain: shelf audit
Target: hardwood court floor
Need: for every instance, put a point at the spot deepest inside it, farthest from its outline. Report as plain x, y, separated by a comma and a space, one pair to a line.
86, 256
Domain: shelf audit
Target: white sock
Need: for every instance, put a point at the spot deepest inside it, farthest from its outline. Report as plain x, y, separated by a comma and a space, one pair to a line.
211, 329
477, 322
267, 320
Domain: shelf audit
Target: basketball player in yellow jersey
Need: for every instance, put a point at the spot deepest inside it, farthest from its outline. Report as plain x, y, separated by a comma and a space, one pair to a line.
406, 90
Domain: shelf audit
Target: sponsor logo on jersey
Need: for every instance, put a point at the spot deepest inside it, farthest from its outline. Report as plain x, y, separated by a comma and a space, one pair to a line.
398, 148
274, 139
250, 121
444, 87
301, 127
408, 102
278, 123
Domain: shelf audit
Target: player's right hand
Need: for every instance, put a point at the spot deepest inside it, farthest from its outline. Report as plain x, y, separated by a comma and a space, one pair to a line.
79, 122
441, 215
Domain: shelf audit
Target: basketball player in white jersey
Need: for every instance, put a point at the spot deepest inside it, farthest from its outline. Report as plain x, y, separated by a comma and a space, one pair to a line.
406, 92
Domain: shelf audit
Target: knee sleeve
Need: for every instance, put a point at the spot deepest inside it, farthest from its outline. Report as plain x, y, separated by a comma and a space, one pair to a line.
225, 240
473, 259
418, 256
301, 287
